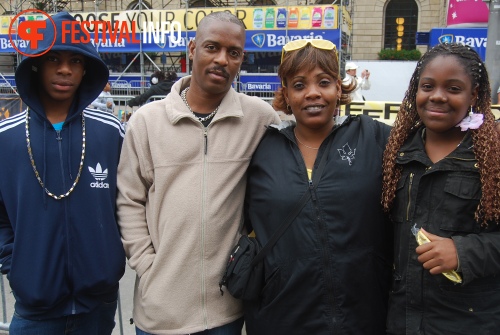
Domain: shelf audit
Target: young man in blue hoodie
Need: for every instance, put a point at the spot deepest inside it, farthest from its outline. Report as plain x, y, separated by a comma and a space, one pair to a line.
59, 241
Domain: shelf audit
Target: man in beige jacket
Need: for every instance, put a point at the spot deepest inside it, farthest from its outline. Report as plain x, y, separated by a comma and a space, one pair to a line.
181, 182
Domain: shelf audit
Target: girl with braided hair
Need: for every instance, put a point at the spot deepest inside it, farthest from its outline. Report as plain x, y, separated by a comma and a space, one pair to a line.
441, 187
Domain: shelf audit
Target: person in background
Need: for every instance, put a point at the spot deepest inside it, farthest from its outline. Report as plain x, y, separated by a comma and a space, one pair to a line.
329, 273
125, 117
104, 101
441, 179
362, 83
161, 84
181, 182
60, 245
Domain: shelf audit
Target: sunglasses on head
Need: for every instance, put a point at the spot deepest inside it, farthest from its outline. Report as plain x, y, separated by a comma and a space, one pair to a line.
300, 44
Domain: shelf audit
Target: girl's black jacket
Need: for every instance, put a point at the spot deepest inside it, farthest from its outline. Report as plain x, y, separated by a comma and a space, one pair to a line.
442, 198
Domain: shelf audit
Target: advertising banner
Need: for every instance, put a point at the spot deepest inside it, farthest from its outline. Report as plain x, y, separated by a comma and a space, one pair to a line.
474, 37
386, 111
256, 41
461, 12
268, 28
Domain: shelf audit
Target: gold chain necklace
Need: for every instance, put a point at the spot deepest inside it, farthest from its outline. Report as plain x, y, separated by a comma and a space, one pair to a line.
301, 141
202, 119
37, 175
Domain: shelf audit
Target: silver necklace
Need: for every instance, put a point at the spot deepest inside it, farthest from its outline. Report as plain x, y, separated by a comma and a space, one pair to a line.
303, 143
202, 119
32, 160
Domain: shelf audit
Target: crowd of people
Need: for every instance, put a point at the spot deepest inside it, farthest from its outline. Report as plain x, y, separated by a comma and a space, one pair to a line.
393, 210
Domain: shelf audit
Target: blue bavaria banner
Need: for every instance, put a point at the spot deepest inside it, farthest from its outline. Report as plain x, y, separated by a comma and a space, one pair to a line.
474, 37
256, 41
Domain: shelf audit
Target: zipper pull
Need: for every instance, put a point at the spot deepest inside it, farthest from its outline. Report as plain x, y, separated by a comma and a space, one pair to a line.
205, 134
311, 189
58, 137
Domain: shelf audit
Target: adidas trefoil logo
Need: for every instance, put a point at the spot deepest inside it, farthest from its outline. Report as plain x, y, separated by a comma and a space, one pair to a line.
99, 175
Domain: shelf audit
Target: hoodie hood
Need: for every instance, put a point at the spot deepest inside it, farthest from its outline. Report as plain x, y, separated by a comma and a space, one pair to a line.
96, 72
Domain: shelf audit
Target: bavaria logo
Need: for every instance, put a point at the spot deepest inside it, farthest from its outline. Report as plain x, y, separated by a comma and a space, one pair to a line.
259, 39
448, 38
99, 175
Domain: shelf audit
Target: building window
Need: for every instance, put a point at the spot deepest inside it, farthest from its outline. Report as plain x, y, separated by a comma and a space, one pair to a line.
134, 5
401, 19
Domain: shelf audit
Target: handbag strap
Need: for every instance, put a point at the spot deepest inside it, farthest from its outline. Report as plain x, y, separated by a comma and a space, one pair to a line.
296, 208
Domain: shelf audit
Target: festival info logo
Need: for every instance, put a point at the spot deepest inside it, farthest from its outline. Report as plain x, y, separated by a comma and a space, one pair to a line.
448, 38
26, 33
31, 32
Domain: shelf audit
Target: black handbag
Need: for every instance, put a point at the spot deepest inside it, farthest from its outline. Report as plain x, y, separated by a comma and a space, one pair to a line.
244, 275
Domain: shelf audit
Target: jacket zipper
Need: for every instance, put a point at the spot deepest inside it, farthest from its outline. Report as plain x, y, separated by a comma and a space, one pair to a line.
203, 195
326, 256
409, 197
324, 242
205, 135
313, 194
59, 142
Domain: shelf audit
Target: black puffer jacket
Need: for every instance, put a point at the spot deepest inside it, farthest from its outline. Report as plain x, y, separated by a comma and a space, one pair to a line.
330, 271
162, 88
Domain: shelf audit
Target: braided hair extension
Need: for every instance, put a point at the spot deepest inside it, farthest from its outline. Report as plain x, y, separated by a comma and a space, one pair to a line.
486, 139
308, 58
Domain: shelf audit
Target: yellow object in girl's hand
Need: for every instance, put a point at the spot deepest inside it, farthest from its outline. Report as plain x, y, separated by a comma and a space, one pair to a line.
421, 239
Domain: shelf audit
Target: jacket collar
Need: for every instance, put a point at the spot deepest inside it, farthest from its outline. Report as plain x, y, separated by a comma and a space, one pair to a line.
286, 127
414, 150
230, 105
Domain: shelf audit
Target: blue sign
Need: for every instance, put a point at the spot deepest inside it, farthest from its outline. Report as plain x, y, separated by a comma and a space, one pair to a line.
474, 37
422, 38
259, 82
256, 41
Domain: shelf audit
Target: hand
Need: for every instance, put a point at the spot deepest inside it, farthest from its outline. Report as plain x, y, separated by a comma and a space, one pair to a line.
109, 104
439, 255
365, 74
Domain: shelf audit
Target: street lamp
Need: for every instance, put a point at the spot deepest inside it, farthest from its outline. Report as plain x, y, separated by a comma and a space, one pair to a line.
400, 29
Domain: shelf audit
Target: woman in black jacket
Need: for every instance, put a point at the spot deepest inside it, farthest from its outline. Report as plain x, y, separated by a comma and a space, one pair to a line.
160, 85
329, 272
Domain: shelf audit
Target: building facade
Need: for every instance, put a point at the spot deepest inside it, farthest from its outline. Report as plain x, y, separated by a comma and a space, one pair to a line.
371, 29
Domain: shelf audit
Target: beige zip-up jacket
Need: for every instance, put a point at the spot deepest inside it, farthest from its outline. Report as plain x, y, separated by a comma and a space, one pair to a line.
181, 192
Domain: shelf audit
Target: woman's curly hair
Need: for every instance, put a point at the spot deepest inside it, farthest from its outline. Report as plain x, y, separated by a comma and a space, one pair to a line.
486, 139
308, 58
